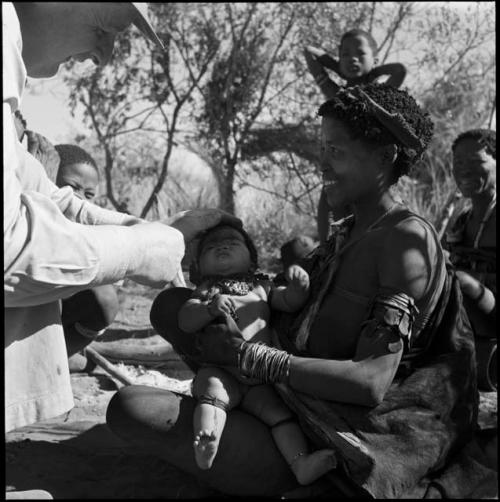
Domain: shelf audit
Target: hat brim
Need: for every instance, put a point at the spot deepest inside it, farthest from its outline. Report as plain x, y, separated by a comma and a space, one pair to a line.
142, 22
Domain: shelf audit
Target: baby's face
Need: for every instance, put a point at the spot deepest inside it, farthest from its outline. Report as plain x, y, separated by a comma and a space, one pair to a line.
474, 168
81, 177
224, 253
356, 57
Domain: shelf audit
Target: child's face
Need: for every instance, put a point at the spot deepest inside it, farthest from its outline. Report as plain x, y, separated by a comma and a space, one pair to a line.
473, 168
81, 177
224, 253
356, 57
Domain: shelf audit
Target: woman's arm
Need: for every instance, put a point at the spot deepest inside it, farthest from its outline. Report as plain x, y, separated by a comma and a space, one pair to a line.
194, 315
482, 297
409, 254
396, 72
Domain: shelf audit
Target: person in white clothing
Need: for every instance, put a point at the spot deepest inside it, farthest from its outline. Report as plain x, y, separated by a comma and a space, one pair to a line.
55, 243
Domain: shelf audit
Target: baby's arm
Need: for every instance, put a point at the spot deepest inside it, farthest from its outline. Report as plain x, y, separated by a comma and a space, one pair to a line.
293, 296
197, 313
396, 72
317, 60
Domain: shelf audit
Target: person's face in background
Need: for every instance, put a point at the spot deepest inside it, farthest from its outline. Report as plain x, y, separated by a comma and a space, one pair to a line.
224, 253
356, 57
81, 177
474, 168
71, 30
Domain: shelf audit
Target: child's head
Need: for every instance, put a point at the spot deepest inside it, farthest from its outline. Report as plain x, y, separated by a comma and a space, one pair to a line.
474, 161
78, 170
357, 53
224, 250
294, 250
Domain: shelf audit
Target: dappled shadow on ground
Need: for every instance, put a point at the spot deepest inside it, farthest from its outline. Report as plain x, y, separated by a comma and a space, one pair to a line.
95, 464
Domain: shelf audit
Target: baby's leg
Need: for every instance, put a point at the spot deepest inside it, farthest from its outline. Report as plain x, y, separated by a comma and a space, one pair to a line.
216, 391
263, 402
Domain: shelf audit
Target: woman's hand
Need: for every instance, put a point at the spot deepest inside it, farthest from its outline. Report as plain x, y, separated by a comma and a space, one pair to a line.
220, 343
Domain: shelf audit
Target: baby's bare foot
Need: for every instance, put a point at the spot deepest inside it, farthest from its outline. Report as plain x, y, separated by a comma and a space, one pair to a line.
205, 448
309, 467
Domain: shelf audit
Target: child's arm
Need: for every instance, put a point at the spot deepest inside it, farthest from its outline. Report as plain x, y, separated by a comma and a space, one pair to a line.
317, 60
396, 72
195, 314
293, 296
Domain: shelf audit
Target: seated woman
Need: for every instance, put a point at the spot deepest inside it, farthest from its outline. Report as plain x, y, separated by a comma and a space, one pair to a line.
471, 240
367, 371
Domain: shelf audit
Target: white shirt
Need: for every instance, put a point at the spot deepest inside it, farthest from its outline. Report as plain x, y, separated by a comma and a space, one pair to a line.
55, 245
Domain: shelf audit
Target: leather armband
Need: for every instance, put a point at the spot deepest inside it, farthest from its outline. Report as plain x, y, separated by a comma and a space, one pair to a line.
395, 312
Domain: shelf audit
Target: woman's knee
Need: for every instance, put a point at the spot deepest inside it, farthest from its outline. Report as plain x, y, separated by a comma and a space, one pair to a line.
165, 308
138, 408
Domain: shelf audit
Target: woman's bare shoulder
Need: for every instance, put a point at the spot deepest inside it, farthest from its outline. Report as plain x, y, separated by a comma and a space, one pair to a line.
411, 251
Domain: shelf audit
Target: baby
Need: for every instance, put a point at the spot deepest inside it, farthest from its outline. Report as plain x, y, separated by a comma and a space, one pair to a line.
228, 285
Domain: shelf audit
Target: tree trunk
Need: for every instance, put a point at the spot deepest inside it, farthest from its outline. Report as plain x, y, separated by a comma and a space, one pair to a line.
226, 189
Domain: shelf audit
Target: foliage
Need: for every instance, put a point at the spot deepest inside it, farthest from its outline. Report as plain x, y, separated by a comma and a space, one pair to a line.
233, 87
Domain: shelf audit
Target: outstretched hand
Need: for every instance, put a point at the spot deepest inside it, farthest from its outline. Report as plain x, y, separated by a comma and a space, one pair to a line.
219, 343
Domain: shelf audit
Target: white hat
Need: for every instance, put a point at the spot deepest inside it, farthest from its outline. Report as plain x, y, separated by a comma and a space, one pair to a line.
142, 22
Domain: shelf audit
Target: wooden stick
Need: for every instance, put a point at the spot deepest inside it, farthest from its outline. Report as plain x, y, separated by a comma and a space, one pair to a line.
107, 366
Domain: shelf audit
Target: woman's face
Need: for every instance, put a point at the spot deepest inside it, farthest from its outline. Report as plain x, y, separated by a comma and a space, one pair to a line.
224, 253
473, 168
348, 166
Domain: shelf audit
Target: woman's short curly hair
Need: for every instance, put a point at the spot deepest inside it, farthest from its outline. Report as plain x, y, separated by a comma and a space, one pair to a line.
194, 271
485, 137
363, 124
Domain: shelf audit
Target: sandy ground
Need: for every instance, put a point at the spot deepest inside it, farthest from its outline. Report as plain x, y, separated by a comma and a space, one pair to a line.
77, 456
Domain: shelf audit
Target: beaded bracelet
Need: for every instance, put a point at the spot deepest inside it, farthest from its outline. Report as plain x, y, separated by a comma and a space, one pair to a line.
259, 361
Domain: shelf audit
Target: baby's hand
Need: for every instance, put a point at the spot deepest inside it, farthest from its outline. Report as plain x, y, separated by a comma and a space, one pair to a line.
221, 305
297, 278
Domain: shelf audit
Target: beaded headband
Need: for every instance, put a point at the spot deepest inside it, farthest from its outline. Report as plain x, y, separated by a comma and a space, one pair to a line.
394, 122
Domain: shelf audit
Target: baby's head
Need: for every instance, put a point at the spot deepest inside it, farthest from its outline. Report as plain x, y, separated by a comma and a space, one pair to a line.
296, 249
357, 54
78, 170
474, 161
224, 250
